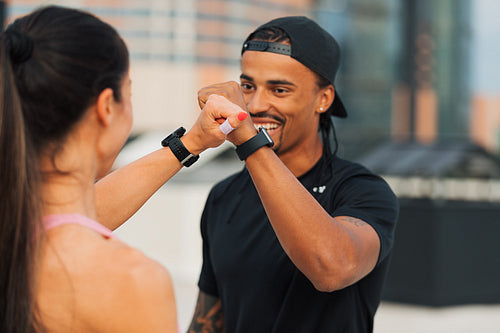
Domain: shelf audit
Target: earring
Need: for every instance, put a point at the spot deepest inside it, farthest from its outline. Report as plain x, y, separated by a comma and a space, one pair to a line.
321, 109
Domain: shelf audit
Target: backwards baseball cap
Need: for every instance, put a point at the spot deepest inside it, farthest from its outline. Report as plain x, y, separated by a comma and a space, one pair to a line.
310, 45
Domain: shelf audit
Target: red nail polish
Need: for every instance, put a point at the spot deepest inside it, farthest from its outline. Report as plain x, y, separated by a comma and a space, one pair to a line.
242, 116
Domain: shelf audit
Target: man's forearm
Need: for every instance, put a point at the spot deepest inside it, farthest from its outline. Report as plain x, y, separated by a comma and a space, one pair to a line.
331, 252
208, 316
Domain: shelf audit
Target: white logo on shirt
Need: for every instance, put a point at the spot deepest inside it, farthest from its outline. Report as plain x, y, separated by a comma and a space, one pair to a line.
319, 189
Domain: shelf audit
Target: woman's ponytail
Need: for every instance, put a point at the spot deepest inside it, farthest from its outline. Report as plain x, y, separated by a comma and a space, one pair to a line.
19, 198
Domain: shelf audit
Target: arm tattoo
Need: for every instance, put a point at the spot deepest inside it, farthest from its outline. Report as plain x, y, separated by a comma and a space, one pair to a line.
352, 220
208, 316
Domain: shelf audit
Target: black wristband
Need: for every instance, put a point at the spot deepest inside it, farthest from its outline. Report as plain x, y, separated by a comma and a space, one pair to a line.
248, 148
178, 149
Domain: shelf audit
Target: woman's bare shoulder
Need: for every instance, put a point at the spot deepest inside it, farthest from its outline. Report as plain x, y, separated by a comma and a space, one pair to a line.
112, 285
142, 295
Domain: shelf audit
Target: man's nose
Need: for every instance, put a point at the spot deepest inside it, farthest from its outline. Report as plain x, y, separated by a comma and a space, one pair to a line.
257, 102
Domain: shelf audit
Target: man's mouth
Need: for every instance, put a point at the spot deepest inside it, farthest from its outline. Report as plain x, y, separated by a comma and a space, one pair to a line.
267, 126
270, 123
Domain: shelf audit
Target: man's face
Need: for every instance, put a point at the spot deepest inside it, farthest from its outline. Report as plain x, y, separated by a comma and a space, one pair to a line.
282, 96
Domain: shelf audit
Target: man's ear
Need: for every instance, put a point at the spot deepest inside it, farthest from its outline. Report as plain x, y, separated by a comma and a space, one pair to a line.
326, 97
104, 106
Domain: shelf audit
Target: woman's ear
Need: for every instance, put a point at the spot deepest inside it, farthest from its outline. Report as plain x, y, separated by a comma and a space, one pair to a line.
104, 106
326, 97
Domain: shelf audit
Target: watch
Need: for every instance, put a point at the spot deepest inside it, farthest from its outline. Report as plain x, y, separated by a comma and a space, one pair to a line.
249, 147
177, 147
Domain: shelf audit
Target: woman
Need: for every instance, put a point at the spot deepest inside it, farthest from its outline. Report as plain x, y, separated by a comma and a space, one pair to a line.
65, 113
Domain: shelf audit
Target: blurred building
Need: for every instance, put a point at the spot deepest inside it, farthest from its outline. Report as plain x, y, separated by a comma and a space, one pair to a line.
176, 46
411, 70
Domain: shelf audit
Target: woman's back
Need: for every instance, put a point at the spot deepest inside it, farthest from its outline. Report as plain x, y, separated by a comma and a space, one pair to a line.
65, 97
90, 283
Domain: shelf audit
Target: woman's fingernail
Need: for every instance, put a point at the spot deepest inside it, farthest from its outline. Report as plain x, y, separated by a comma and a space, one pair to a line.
242, 116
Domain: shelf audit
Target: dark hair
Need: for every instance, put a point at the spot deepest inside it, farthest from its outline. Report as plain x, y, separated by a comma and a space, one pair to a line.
326, 127
54, 63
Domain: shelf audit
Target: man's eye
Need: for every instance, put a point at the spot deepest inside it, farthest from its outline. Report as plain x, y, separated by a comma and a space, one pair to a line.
246, 86
280, 90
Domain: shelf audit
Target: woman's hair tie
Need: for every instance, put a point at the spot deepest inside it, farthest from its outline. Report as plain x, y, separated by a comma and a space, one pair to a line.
21, 45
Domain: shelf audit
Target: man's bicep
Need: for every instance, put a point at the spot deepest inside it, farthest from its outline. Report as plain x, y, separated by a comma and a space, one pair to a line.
365, 241
208, 316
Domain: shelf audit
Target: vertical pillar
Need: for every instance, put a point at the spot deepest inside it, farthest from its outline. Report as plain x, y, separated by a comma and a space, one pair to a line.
415, 101
426, 105
2, 14
403, 94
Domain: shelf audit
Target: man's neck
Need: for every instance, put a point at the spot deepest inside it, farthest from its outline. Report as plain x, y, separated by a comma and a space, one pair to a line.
301, 162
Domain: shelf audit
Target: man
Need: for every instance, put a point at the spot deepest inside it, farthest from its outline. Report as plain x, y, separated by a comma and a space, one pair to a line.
299, 240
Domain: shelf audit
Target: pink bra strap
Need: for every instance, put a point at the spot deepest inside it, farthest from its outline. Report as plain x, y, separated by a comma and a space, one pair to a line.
52, 221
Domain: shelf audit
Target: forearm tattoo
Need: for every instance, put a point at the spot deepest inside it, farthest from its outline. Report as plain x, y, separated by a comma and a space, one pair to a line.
208, 316
352, 220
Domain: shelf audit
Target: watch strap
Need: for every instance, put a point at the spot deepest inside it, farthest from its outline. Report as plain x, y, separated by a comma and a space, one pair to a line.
249, 147
178, 149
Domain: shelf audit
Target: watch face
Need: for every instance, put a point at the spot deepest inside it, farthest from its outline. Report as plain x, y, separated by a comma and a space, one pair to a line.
260, 140
180, 132
268, 137
183, 155
176, 134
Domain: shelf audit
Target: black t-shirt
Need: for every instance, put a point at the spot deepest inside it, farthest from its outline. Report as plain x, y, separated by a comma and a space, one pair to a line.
259, 287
